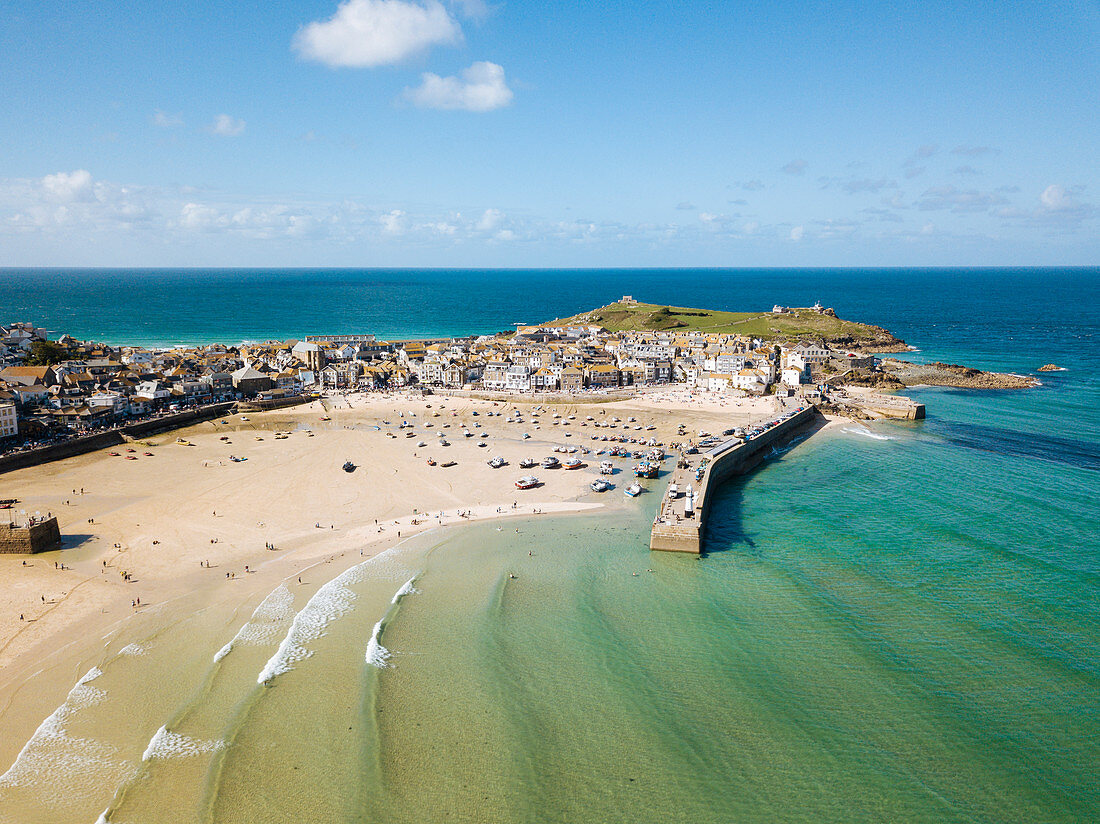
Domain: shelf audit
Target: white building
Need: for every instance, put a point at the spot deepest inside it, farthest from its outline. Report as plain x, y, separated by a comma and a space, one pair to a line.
518, 378
9, 424
793, 377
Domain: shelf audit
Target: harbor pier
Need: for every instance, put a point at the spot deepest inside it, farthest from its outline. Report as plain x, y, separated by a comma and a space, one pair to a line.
681, 518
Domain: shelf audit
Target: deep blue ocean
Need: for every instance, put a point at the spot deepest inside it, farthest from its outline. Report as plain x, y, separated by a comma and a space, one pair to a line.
895, 621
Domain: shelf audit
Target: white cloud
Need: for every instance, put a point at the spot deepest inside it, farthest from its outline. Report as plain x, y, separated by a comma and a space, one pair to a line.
490, 220
199, 216
68, 186
367, 33
481, 88
472, 8
167, 121
1056, 198
227, 126
797, 232
393, 222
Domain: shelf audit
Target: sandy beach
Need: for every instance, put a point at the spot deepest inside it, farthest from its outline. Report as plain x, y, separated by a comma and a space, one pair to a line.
186, 528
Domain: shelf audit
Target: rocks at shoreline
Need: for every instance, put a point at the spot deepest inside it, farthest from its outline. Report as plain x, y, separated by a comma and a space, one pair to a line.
882, 381
1050, 367
953, 375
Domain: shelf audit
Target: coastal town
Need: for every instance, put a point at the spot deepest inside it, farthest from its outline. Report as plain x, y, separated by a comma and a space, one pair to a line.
54, 389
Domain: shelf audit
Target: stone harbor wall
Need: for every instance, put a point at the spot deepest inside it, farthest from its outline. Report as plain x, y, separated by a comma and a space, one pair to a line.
42, 537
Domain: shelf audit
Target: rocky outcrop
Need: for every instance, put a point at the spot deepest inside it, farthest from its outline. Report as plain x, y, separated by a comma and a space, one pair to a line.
883, 381
954, 375
1050, 367
878, 340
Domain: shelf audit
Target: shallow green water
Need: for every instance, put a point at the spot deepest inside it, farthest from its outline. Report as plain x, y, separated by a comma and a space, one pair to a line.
893, 623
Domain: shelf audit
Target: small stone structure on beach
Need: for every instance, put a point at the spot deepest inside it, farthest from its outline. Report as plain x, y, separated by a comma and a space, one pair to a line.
40, 536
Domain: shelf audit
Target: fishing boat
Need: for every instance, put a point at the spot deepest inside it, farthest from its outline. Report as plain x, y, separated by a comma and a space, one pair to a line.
550, 462
445, 464
497, 462
599, 485
431, 462
527, 482
349, 466
645, 470
573, 463
527, 463
633, 491
607, 468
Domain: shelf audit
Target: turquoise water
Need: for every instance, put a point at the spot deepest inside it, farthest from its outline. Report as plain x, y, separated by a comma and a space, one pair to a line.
894, 622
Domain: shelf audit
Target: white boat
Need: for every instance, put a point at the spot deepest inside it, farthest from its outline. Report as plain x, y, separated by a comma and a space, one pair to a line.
527, 482
526, 436
573, 463
633, 491
497, 462
607, 468
550, 462
527, 463
599, 485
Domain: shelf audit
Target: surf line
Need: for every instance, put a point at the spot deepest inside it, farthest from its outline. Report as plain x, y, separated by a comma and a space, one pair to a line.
332, 601
377, 655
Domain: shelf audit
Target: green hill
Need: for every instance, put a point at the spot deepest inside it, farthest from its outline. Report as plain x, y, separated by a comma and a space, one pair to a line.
799, 324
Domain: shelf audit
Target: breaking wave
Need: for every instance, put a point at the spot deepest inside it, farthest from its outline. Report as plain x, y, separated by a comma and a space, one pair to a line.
266, 622
406, 589
866, 433
65, 766
377, 655
330, 602
166, 744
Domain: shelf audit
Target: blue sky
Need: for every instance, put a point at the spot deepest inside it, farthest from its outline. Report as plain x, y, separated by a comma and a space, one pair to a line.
473, 133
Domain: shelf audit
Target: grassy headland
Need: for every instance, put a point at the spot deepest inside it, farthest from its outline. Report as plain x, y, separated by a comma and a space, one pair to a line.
798, 324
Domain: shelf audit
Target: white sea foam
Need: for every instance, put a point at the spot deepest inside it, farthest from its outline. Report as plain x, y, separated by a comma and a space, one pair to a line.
377, 655
132, 649
330, 602
407, 589
866, 433
167, 744
103, 817
65, 767
267, 621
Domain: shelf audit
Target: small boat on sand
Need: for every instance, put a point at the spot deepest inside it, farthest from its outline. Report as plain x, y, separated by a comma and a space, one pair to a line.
633, 491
